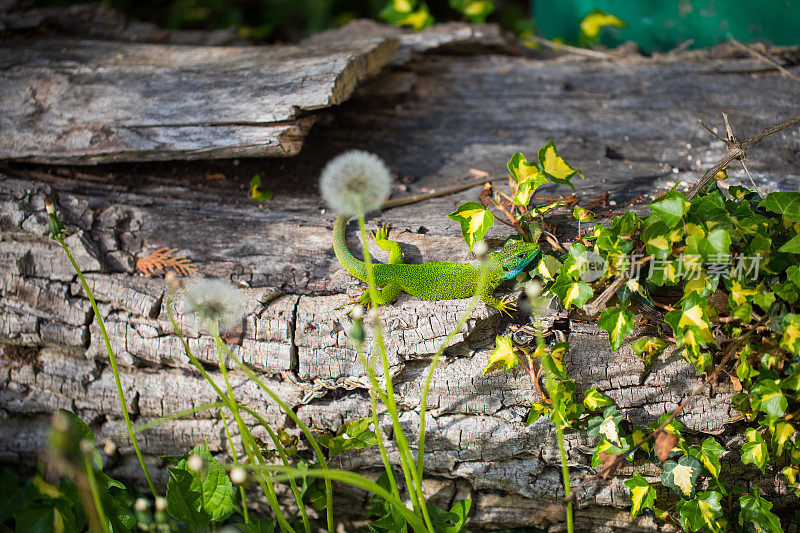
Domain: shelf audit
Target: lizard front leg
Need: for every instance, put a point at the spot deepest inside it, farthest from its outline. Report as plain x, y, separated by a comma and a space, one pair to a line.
504, 306
393, 247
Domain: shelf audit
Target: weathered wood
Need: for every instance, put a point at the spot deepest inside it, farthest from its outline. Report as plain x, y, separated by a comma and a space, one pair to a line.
71, 101
456, 113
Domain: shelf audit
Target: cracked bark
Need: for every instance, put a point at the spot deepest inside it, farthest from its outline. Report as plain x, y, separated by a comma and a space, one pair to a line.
432, 119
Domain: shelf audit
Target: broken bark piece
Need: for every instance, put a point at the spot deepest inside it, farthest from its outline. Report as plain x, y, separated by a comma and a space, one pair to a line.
86, 102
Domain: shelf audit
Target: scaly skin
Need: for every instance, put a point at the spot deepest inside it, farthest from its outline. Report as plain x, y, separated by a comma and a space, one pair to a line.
433, 281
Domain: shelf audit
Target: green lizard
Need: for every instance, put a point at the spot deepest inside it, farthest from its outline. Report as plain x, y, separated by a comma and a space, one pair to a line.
433, 281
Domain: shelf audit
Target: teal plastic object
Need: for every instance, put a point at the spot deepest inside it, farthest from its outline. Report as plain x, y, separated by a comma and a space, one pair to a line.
662, 25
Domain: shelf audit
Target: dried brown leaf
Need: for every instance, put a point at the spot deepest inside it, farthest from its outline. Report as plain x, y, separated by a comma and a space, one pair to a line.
165, 258
665, 442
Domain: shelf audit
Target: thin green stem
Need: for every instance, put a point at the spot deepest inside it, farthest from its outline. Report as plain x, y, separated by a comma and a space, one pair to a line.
354, 479
565, 475
265, 482
406, 459
174, 416
98, 504
113, 360
236, 461
303, 428
424, 401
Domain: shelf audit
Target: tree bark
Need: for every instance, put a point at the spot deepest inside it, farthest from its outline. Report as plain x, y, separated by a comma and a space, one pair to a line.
629, 124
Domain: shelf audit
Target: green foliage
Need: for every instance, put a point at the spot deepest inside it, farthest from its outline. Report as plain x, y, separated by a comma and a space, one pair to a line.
475, 221
356, 434
199, 497
618, 323
407, 13
593, 23
255, 190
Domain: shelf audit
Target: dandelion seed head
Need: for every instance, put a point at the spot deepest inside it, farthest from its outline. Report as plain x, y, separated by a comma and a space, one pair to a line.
355, 182
215, 300
195, 462
238, 475
161, 504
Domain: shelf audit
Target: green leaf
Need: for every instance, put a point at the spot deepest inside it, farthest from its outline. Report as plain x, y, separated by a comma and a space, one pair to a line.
769, 398
581, 215
571, 292
208, 495
755, 450
502, 356
183, 501
681, 476
783, 203
554, 167
450, 521
618, 323
642, 494
755, 511
475, 221
607, 426
528, 177
781, 433
596, 21
260, 525
594, 400
791, 334
537, 410
475, 11
791, 247
255, 192
702, 511
670, 207
404, 13
710, 452
36, 518
647, 348
76, 432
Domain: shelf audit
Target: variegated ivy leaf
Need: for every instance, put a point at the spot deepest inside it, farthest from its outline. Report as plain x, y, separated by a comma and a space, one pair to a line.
740, 293
596, 21
642, 494
754, 451
701, 512
607, 426
502, 356
710, 452
681, 476
781, 433
571, 292
547, 267
582, 215
674, 427
537, 410
554, 167
769, 398
647, 348
405, 13
637, 436
670, 207
691, 318
544, 209
618, 323
755, 513
475, 11
594, 400
791, 334
475, 221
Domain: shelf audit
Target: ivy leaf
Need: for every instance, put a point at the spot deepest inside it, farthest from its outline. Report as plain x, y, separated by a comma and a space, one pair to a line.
769, 398
783, 203
701, 512
554, 167
792, 247
537, 410
618, 323
710, 451
582, 215
755, 511
607, 426
403, 13
547, 267
791, 333
594, 22
681, 476
594, 400
502, 355
647, 348
571, 292
755, 450
781, 433
542, 210
475, 11
670, 207
642, 494
475, 221
255, 192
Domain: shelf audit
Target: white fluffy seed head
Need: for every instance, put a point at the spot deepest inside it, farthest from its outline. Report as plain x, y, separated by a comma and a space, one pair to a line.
215, 300
195, 462
141, 505
161, 504
355, 183
238, 475
109, 447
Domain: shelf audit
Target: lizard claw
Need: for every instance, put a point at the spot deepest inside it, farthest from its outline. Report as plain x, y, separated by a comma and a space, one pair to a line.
382, 234
506, 305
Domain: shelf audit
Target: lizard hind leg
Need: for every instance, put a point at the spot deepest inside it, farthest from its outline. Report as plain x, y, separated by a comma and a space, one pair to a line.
393, 247
385, 295
505, 306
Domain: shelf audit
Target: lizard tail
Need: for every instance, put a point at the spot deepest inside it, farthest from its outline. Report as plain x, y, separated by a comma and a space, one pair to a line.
350, 263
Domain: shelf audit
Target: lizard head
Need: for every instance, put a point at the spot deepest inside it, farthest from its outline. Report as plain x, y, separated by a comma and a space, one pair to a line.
515, 257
